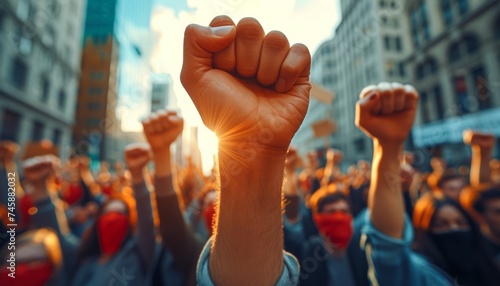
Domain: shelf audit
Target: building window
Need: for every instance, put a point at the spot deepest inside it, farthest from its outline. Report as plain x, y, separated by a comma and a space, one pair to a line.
398, 44
96, 75
95, 90
2, 17
45, 89
387, 43
10, 125
94, 106
359, 145
472, 44
424, 107
462, 97
92, 122
56, 136
420, 73
463, 6
38, 129
497, 31
481, 89
18, 73
402, 70
438, 100
454, 53
447, 11
61, 99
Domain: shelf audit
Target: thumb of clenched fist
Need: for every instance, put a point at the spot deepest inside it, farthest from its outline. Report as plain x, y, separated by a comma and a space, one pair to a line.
245, 83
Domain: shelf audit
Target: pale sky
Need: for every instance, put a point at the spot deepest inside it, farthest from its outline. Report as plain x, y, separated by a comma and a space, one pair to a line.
306, 21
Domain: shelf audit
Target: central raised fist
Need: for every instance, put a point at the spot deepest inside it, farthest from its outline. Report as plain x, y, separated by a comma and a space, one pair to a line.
247, 86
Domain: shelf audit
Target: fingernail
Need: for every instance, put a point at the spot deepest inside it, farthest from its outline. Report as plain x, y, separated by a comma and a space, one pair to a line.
281, 85
222, 31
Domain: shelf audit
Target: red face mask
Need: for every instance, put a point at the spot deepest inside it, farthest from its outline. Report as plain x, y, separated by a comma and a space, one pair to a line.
36, 274
108, 190
337, 227
25, 204
209, 216
112, 228
73, 194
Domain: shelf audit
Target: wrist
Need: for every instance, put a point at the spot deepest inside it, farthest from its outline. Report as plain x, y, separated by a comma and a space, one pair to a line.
162, 163
137, 175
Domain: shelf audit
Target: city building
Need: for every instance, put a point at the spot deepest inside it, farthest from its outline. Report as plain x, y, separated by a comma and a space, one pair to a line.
162, 92
456, 68
97, 126
40, 56
369, 46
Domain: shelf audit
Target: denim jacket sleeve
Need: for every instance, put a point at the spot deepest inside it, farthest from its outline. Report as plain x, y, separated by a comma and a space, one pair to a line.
392, 262
289, 276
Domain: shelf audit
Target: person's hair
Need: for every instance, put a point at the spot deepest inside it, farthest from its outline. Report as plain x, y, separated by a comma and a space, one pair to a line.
423, 218
447, 176
89, 246
473, 199
44, 236
325, 196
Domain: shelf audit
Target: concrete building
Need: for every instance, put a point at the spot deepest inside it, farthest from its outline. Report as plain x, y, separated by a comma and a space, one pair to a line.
318, 110
97, 128
456, 68
369, 46
39, 69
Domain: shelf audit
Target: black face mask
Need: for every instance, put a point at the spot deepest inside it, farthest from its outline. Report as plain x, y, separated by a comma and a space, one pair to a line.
457, 248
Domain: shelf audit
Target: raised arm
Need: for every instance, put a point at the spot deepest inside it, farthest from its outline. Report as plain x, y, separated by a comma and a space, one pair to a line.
252, 90
161, 130
136, 158
386, 113
482, 147
291, 187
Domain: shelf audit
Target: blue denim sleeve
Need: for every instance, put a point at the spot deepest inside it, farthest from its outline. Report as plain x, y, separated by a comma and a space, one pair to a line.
392, 262
289, 276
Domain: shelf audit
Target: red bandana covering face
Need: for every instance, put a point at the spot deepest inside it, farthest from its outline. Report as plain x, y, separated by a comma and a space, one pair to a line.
33, 274
25, 204
337, 227
112, 228
107, 189
73, 194
209, 216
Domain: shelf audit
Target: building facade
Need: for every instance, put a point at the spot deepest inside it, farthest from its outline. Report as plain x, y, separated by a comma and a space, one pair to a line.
97, 128
39, 70
369, 46
162, 92
456, 68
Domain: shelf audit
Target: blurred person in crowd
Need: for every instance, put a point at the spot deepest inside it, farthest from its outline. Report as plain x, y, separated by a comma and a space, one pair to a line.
244, 82
110, 244
182, 246
201, 211
484, 204
482, 198
449, 238
329, 257
37, 260
451, 184
386, 113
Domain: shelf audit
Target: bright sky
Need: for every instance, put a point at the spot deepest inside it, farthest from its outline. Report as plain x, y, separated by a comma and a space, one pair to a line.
307, 21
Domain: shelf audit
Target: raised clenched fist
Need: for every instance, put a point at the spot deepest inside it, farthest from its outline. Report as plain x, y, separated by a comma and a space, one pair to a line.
246, 85
474, 138
161, 129
386, 112
38, 169
136, 157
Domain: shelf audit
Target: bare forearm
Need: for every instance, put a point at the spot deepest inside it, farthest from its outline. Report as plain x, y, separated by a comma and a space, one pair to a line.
248, 245
385, 198
162, 163
480, 171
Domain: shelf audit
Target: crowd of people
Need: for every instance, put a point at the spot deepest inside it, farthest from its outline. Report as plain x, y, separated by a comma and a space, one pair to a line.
262, 217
